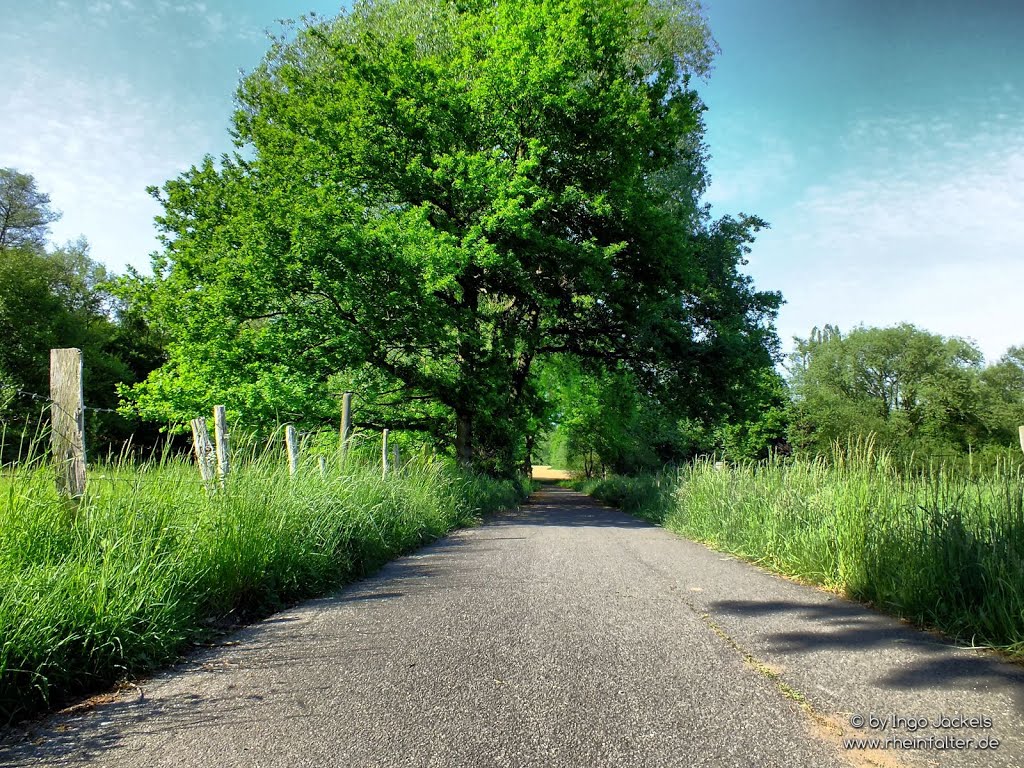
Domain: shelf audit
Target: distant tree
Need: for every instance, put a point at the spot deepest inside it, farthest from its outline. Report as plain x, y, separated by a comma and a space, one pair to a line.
914, 390
25, 213
1002, 397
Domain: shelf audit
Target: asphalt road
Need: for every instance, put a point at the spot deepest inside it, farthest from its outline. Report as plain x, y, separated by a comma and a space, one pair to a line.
562, 634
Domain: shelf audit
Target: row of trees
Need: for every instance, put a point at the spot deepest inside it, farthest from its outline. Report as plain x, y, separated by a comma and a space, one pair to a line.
918, 394
915, 391
61, 297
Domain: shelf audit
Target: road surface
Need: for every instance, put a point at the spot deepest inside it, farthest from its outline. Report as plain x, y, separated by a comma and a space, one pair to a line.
561, 634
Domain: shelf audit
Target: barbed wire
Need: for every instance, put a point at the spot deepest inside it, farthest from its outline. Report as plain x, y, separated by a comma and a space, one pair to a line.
35, 396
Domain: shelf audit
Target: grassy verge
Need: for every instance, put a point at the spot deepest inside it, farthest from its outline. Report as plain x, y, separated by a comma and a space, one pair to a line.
937, 547
153, 562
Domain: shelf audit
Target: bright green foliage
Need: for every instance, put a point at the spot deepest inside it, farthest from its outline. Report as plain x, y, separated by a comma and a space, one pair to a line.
915, 391
601, 420
938, 547
154, 560
758, 426
434, 195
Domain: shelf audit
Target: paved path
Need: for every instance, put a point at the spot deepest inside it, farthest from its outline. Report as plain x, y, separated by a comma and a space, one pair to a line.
563, 634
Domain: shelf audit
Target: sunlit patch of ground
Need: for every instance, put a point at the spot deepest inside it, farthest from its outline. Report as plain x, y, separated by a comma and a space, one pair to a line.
544, 472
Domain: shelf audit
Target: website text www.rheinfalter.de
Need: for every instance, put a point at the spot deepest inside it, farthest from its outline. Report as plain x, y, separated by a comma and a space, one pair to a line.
896, 731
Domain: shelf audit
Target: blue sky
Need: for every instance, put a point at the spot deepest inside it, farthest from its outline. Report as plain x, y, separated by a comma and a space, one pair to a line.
883, 141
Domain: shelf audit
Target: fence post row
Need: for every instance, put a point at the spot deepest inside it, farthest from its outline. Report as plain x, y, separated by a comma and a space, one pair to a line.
67, 420
292, 441
204, 449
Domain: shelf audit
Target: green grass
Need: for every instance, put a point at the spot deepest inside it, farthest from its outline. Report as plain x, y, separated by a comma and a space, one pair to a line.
939, 547
152, 562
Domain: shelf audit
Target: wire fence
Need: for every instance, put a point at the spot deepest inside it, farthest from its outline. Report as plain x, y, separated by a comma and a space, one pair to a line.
59, 437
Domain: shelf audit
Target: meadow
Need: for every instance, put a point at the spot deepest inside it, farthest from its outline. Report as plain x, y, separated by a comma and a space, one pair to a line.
939, 546
151, 561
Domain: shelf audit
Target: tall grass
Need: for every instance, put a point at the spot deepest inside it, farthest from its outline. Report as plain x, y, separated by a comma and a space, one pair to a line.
152, 561
938, 546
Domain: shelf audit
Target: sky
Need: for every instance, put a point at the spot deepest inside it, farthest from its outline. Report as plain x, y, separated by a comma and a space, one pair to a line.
882, 141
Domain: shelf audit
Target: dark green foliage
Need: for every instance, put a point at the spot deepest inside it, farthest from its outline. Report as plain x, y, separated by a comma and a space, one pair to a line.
25, 212
62, 297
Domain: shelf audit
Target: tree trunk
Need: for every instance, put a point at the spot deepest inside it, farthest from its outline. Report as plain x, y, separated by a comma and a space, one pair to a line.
464, 438
528, 463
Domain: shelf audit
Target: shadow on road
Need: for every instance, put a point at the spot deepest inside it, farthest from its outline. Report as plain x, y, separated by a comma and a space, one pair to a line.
852, 627
561, 507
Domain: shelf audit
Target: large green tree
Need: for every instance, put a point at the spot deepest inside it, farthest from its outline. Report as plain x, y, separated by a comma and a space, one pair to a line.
431, 196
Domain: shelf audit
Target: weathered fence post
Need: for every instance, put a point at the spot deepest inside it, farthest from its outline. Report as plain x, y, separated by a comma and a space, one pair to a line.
1021, 430
67, 421
323, 466
292, 441
395, 463
220, 435
346, 424
384, 452
203, 448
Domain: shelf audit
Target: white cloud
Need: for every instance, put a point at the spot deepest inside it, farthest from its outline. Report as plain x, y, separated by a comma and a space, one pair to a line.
755, 160
932, 235
94, 146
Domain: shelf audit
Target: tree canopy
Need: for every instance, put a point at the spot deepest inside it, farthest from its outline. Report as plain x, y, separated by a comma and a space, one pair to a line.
429, 197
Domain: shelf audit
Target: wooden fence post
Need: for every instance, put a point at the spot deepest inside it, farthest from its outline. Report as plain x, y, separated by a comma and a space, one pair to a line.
203, 448
323, 466
346, 424
1021, 430
220, 435
292, 441
67, 421
384, 452
395, 463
